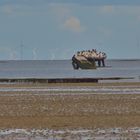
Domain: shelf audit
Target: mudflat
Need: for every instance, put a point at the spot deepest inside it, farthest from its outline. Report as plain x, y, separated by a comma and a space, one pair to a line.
58, 109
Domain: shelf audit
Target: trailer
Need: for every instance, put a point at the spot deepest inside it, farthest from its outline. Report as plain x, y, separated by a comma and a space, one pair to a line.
90, 59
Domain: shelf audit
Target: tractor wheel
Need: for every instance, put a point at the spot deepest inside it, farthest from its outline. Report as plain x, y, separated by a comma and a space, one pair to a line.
75, 65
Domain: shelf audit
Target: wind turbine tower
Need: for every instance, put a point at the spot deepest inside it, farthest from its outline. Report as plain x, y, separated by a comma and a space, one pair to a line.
21, 50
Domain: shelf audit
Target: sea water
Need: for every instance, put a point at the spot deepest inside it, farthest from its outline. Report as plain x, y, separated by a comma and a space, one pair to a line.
64, 69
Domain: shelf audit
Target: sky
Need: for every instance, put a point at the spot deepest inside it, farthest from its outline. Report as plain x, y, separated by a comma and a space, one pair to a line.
56, 29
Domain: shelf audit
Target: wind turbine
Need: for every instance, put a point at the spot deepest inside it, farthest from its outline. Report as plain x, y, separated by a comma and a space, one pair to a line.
21, 50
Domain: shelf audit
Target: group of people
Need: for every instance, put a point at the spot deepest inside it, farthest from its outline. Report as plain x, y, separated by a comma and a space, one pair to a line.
92, 54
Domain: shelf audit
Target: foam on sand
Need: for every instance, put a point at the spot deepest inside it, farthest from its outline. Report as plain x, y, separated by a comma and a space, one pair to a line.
78, 134
73, 90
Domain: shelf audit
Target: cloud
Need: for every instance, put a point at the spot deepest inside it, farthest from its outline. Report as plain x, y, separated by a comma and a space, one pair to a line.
98, 2
83, 2
65, 18
73, 24
15, 9
117, 9
20, 9
79, 2
120, 11
107, 9
131, 10
7, 9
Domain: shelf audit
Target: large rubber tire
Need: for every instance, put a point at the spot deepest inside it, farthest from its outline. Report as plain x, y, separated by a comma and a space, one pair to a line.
75, 65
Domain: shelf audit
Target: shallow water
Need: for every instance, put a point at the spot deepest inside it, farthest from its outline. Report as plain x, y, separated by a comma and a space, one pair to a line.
64, 69
72, 90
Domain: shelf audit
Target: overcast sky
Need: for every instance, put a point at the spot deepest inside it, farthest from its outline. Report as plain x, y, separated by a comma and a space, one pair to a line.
56, 29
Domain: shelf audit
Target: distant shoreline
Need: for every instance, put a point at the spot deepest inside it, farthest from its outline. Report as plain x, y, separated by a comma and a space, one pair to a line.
60, 80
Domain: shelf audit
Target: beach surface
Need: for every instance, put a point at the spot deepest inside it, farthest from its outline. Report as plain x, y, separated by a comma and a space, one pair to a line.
86, 110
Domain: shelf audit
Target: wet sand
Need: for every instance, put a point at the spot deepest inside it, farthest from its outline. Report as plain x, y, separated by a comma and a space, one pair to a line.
60, 110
